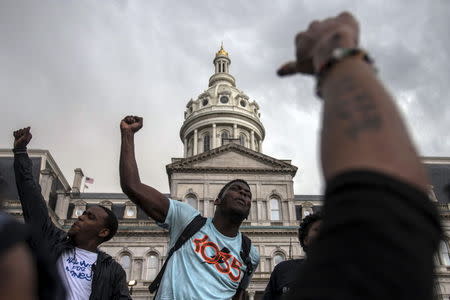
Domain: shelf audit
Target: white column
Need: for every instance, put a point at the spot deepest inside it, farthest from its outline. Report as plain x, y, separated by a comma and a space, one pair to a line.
62, 204
214, 138
47, 177
195, 141
235, 131
260, 146
185, 147
252, 140
251, 295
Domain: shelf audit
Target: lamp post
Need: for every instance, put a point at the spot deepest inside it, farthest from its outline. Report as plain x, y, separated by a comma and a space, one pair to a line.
131, 283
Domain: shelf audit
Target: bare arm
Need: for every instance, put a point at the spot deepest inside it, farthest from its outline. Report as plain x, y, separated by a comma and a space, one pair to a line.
361, 128
155, 204
18, 279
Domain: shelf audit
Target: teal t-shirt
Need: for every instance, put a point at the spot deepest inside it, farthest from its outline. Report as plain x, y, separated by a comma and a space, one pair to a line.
208, 266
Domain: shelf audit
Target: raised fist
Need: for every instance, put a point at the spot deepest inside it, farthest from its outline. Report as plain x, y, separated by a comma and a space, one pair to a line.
131, 123
315, 45
22, 137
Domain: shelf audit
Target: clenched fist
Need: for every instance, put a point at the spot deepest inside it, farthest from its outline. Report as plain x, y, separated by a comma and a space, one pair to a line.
22, 137
131, 123
315, 45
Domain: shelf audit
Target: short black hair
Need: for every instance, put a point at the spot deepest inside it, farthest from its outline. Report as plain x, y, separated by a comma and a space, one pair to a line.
111, 223
304, 227
230, 183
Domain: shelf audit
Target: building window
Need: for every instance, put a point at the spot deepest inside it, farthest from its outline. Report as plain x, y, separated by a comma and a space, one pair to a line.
224, 99
224, 137
242, 139
125, 262
243, 103
274, 209
277, 258
444, 254
192, 201
205, 102
78, 210
206, 143
152, 266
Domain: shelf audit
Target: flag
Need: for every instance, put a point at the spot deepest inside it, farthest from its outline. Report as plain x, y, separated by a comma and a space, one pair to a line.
89, 180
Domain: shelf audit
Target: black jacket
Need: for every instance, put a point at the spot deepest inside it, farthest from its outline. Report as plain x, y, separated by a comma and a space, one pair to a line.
109, 281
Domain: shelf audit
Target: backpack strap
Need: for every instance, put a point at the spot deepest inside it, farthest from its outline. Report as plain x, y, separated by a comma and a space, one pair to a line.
187, 233
245, 256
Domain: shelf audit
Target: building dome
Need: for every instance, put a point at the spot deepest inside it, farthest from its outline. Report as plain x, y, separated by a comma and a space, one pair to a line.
222, 114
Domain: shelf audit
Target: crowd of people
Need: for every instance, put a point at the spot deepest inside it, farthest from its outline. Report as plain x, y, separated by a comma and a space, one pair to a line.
374, 239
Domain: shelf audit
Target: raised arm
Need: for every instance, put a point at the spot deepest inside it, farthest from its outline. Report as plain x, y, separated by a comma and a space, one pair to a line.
155, 204
361, 128
34, 209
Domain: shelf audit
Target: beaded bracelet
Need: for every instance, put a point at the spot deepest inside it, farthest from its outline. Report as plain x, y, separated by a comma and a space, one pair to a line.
338, 55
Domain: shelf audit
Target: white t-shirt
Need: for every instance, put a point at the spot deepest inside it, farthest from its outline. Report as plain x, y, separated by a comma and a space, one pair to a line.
75, 269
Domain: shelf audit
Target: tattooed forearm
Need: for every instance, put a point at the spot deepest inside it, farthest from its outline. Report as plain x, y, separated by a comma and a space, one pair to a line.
356, 108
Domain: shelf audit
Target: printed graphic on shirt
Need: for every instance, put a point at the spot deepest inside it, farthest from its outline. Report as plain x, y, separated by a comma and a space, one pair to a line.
78, 268
222, 260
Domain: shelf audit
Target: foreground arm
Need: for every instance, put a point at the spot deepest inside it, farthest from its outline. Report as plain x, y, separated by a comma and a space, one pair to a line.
380, 230
18, 275
361, 128
149, 199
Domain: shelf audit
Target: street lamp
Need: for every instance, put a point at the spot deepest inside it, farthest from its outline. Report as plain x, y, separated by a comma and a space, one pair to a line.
131, 283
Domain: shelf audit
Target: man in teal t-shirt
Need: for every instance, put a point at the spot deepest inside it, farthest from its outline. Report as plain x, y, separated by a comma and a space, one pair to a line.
208, 265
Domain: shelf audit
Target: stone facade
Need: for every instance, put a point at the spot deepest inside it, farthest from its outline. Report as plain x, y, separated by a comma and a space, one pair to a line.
208, 163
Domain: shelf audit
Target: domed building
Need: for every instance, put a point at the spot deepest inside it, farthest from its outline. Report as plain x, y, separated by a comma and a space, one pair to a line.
221, 114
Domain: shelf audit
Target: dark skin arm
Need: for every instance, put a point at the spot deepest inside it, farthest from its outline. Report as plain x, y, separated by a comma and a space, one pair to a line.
18, 276
361, 128
155, 204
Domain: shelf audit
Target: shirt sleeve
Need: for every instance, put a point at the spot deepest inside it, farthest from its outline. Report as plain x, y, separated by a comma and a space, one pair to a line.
178, 217
377, 241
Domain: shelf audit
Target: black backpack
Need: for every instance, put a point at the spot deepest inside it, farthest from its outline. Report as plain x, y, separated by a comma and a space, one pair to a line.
187, 233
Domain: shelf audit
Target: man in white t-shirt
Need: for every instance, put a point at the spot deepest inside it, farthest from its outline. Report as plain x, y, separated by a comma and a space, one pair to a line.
209, 265
86, 272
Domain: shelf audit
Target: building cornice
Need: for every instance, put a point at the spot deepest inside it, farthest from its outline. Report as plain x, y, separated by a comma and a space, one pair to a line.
186, 164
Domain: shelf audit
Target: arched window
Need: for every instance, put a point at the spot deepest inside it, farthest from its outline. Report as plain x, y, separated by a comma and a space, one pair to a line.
242, 139
125, 262
277, 258
224, 137
206, 143
274, 209
192, 201
152, 266
444, 254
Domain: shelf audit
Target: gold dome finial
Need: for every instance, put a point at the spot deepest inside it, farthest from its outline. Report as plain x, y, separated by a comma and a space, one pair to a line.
222, 52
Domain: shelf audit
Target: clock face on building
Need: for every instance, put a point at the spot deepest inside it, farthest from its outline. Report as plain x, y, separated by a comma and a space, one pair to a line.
224, 99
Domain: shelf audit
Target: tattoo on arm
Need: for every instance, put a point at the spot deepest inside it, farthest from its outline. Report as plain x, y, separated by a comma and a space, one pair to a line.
356, 107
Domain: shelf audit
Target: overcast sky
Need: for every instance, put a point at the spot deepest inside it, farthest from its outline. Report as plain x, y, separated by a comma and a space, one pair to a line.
73, 69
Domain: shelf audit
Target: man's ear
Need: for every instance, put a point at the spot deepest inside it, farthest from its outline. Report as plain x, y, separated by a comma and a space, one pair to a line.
103, 233
217, 201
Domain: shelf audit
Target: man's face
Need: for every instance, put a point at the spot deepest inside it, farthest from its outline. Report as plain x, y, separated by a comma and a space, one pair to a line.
237, 199
313, 232
90, 225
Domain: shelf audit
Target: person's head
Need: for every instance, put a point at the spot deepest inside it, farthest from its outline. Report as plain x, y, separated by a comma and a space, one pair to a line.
234, 199
309, 230
97, 223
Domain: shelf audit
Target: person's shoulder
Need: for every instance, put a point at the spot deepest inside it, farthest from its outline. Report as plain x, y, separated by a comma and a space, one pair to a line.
288, 264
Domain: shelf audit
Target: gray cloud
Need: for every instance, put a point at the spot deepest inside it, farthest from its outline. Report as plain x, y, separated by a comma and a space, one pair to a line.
73, 69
